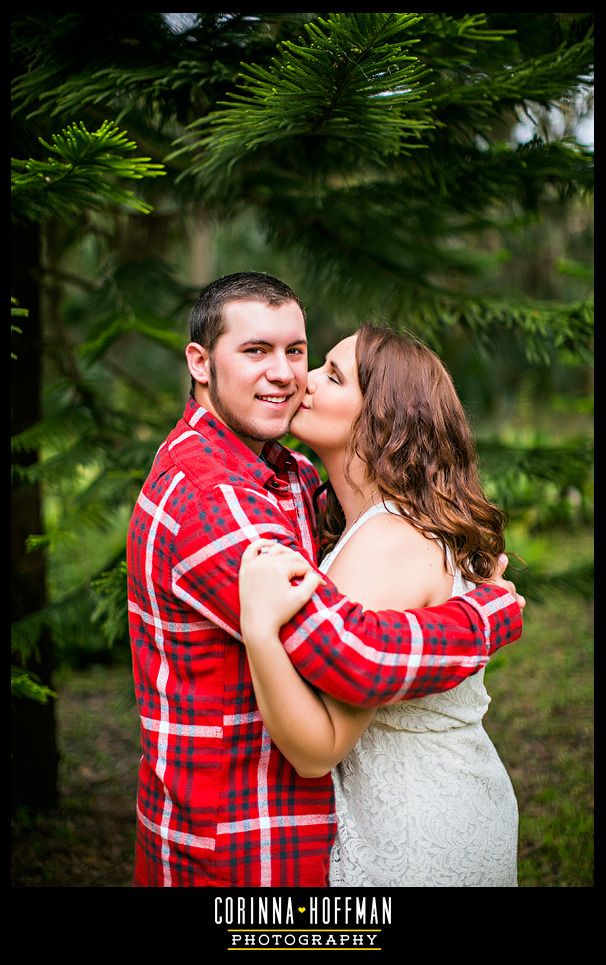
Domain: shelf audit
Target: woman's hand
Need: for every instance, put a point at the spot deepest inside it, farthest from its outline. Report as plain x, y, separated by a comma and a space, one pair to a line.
268, 599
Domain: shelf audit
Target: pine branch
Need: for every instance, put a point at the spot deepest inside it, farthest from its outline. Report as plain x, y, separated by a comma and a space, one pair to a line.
524, 175
24, 684
316, 90
562, 465
398, 276
63, 618
56, 431
17, 312
111, 611
540, 486
140, 70
473, 107
105, 335
84, 172
354, 82
542, 327
102, 455
463, 31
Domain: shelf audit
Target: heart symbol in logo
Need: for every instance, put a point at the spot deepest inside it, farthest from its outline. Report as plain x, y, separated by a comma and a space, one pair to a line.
302, 909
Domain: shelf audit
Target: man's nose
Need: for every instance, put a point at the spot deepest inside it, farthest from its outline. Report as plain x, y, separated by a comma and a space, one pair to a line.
280, 369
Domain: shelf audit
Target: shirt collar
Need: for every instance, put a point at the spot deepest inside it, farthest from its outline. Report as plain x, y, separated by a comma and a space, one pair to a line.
275, 457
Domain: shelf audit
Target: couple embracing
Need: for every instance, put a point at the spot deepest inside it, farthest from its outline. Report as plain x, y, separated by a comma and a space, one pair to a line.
308, 660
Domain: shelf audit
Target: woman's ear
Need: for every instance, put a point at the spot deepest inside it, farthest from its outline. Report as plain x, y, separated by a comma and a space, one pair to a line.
197, 362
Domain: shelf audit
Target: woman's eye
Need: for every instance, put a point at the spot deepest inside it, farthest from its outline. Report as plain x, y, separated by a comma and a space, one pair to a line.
334, 379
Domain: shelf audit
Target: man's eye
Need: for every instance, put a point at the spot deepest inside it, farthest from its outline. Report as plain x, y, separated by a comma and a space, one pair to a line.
296, 351
253, 351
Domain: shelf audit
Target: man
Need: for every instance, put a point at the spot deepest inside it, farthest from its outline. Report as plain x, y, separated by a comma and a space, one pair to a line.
218, 805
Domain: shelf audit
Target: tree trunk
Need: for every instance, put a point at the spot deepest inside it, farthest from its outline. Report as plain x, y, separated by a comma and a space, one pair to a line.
34, 754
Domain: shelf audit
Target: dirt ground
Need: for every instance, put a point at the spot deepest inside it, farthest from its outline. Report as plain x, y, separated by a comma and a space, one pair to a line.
88, 841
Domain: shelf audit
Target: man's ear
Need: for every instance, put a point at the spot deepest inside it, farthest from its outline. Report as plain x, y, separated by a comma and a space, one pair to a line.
198, 362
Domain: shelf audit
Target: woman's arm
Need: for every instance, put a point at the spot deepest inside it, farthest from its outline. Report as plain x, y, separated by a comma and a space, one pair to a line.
314, 733
388, 565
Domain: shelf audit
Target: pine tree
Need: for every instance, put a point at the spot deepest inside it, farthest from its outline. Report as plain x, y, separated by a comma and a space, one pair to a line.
369, 157
84, 170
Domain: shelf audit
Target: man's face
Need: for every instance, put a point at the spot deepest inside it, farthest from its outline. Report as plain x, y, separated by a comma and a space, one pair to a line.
256, 375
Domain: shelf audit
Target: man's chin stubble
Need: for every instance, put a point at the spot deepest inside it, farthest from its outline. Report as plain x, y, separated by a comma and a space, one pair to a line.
245, 432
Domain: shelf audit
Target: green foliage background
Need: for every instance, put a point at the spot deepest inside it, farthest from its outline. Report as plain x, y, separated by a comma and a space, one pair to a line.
423, 169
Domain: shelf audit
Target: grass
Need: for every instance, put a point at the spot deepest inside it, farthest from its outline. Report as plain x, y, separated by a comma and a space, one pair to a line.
88, 841
540, 719
541, 722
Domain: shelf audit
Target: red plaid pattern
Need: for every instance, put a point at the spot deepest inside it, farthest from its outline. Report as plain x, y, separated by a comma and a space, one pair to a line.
218, 804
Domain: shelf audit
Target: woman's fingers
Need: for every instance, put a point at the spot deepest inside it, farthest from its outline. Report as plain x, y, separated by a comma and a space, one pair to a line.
502, 564
273, 559
273, 548
256, 547
274, 583
308, 585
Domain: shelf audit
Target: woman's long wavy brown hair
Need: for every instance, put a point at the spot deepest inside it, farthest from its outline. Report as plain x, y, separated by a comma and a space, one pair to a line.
413, 435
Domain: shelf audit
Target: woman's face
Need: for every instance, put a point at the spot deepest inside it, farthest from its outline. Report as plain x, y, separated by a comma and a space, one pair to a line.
332, 401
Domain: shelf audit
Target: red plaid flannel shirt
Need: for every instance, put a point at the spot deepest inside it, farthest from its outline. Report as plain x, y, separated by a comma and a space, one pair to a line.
218, 804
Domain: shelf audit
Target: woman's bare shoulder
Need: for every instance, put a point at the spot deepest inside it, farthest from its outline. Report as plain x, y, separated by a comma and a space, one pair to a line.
388, 563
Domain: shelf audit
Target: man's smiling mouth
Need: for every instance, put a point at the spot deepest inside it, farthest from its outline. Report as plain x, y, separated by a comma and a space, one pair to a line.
274, 399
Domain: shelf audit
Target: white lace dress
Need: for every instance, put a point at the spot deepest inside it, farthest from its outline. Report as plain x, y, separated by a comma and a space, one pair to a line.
423, 799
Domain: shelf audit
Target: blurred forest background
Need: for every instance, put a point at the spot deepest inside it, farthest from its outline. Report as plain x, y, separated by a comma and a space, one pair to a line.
431, 170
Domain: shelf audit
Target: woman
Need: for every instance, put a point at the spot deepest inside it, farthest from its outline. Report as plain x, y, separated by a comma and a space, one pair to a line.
422, 798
